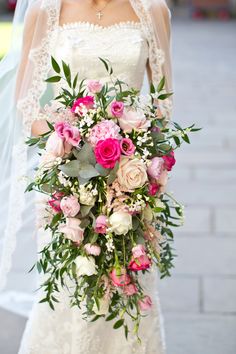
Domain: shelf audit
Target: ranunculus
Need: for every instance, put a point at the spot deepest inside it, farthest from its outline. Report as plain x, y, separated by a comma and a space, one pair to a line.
120, 222
155, 168
101, 224
83, 102
72, 230
70, 134
55, 201
130, 289
120, 278
133, 120
117, 109
57, 146
107, 152
104, 130
138, 251
145, 304
127, 146
169, 160
153, 188
92, 249
140, 263
94, 86
70, 206
131, 174
85, 266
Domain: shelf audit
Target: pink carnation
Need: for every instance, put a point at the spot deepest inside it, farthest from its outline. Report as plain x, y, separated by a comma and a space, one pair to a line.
169, 160
117, 109
130, 289
107, 152
104, 130
145, 304
93, 250
140, 263
121, 279
68, 133
87, 102
55, 201
127, 146
101, 224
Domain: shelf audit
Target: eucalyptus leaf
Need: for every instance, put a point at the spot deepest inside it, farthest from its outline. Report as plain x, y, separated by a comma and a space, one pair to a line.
136, 223
87, 170
85, 210
85, 154
71, 169
102, 171
112, 175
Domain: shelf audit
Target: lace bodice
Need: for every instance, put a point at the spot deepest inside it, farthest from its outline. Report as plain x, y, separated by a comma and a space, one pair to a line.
124, 44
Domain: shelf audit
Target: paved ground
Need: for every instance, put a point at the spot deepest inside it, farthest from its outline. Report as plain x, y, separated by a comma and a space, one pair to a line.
199, 301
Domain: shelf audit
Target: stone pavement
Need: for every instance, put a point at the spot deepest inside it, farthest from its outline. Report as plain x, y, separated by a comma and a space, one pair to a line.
199, 301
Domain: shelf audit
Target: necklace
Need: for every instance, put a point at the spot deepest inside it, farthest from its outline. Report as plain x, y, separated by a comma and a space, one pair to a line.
99, 12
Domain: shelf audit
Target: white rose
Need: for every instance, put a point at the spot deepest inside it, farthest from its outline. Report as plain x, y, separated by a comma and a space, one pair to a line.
133, 120
85, 266
103, 307
131, 174
120, 222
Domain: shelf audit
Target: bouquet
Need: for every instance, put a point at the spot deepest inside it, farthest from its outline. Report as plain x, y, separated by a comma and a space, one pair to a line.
104, 167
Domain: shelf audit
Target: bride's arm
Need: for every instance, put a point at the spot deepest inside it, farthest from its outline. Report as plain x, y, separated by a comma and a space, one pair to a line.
38, 126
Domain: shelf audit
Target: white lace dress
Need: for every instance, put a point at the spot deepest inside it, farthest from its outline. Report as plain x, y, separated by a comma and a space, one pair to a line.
63, 331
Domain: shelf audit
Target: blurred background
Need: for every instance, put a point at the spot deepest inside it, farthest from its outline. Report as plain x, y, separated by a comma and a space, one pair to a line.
199, 300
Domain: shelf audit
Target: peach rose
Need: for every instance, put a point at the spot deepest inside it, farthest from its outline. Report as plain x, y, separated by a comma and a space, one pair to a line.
131, 174
133, 120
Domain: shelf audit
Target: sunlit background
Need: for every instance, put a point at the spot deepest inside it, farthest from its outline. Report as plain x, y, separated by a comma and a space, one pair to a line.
199, 300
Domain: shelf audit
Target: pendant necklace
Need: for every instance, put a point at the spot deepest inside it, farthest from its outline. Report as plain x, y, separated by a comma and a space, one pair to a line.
99, 12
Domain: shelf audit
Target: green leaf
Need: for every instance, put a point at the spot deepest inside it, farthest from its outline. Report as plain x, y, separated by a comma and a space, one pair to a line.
161, 84
75, 81
105, 64
85, 210
136, 223
67, 72
112, 316
54, 79
102, 171
164, 96
186, 139
118, 324
152, 88
112, 175
71, 169
55, 66
87, 170
85, 154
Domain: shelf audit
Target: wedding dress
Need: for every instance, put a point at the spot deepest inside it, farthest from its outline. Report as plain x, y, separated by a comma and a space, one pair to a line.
63, 331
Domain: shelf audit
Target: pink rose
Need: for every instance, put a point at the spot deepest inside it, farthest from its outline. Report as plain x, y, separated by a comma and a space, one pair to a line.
130, 289
127, 146
121, 279
155, 168
83, 102
117, 109
104, 130
55, 201
153, 188
107, 152
69, 133
72, 230
70, 206
93, 250
133, 120
57, 146
94, 86
138, 251
101, 224
162, 180
145, 304
140, 263
169, 160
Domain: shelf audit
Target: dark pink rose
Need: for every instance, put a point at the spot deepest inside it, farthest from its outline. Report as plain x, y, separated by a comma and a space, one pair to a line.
101, 224
169, 160
107, 152
153, 188
55, 201
130, 289
145, 304
87, 102
117, 109
120, 279
127, 146
140, 263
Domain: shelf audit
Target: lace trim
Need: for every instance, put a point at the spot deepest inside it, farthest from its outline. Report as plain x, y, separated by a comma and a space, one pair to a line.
94, 26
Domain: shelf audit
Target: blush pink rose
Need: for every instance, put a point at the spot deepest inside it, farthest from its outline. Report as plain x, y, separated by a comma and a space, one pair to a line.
153, 188
140, 263
72, 230
70, 206
133, 120
80, 103
107, 152
101, 224
145, 304
121, 279
57, 146
155, 168
104, 130
55, 202
169, 160
127, 146
130, 289
70, 134
117, 109
93, 250
94, 86
138, 251
162, 180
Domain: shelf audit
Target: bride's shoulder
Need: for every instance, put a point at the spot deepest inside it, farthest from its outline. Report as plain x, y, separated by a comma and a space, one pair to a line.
159, 7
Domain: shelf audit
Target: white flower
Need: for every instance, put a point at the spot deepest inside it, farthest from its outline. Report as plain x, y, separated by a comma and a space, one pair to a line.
86, 197
103, 307
85, 266
120, 222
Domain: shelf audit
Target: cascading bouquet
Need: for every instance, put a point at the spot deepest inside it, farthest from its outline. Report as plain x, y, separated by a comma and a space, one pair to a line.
104, 167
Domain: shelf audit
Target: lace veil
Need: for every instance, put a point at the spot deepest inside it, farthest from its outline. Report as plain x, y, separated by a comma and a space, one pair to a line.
23, 92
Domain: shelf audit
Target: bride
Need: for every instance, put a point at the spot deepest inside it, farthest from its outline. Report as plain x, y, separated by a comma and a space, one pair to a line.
134, 36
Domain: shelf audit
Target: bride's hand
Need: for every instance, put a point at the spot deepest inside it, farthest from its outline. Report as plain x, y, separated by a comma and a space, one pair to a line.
39, 127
